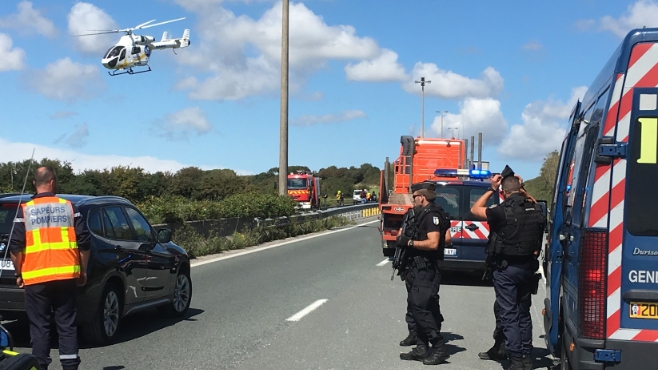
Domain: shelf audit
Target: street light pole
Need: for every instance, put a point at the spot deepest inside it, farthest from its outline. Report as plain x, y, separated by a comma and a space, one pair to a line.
422, 83
441, 111
283, 135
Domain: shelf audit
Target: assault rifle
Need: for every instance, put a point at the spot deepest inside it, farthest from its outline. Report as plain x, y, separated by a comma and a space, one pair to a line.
408, 230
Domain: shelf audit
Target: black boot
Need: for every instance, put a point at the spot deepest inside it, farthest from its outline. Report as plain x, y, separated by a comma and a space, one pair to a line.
410, 340
527, 362
516, 363
417, 354
495, 353
437, 355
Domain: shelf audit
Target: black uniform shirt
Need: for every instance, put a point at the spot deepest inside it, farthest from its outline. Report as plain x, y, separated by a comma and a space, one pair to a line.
17, 242
429, 223
497, 221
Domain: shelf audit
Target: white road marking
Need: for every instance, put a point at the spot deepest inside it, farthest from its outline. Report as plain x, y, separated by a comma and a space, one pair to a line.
382, 263
298, 316
257, 249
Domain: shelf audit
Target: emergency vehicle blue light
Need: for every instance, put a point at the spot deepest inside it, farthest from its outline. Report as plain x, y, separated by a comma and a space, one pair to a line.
479, 174
445, 173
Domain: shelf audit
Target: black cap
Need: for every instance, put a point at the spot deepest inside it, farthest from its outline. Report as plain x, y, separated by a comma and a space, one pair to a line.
427, 185
507, 172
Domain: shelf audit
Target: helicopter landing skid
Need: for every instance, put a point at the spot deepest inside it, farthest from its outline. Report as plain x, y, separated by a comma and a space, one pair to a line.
129, 71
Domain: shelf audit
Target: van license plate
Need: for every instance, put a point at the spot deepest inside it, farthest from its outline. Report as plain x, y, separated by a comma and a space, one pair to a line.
6, 265
450, 252
643, 310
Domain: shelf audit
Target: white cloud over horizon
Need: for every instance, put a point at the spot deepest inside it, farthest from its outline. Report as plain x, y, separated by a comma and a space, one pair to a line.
20, 151
543, 128
241, 55
29, 20
642, 13
475, 116
84, 17
180, 124
67, 81
383, 68
449, 85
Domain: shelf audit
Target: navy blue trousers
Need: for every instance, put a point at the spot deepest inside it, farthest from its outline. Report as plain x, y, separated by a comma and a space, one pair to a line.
512, 286
42, 301
423, 310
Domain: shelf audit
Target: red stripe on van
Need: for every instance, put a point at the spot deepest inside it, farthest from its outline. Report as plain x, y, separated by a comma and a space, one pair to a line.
638, 51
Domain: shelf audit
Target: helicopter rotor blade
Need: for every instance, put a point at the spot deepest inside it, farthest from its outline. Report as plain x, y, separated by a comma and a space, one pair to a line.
157, 24
97, 33
143, 24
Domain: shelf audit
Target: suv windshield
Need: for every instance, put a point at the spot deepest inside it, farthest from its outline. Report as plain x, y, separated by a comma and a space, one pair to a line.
457, 200
297, 183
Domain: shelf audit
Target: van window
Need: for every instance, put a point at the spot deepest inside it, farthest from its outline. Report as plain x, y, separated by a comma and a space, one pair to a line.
641, 180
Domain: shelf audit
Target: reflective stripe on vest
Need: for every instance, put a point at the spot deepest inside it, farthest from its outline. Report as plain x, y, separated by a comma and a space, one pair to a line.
51, 249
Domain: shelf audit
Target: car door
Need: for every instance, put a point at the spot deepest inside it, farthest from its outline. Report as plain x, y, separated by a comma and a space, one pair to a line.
131, 257
449, 199
159, 259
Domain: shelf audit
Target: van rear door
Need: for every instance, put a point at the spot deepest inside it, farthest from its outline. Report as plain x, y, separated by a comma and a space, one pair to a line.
633, 258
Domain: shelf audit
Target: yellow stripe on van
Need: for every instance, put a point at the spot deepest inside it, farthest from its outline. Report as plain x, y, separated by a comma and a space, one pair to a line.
648, 140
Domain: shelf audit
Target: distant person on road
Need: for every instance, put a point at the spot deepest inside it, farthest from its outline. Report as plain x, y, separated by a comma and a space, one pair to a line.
373, 196
517, 230
340, 198
50, 248
363, 196
324, 199
423, 278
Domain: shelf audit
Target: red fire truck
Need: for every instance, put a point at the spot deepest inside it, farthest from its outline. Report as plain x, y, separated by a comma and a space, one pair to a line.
304, 188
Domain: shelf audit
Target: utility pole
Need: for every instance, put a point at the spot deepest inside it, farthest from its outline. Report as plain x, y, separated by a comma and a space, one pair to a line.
422, 83
283, 138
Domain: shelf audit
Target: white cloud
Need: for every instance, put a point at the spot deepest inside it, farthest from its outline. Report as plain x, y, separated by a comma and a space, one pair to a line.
475, 116
450, 85
310, 120
383, 68
533, 45
20, 151
67, 81
60, 114
639, 14
85, 17
29, 20
77, 138
11, 59
242, 54
179, 125
543, 128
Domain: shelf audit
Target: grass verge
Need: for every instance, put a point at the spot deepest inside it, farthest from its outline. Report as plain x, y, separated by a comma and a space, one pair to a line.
197, 245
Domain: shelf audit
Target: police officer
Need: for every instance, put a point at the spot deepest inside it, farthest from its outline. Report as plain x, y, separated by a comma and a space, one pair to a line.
423, 278
517, 226
50, 247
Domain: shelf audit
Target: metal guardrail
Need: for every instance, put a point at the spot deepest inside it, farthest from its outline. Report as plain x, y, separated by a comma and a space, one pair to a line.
229, 226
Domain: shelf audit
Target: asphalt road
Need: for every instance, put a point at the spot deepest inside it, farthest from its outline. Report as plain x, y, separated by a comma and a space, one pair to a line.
245, 314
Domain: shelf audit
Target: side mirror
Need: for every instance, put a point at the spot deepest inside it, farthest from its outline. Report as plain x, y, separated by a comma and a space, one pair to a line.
164, 235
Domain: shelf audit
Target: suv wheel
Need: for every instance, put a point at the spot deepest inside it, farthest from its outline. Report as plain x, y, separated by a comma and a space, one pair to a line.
105, 325
182, 298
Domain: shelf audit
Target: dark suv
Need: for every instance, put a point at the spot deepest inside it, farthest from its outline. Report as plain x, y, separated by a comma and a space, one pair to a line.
132, 267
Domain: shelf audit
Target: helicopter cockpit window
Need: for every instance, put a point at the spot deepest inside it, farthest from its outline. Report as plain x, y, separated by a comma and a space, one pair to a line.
113, 52
123, 54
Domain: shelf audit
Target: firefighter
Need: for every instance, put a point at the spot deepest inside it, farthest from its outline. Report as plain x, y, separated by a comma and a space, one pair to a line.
517, 228
50, 248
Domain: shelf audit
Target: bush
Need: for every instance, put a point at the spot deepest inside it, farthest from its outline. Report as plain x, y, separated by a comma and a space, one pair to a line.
197, 246
172, 209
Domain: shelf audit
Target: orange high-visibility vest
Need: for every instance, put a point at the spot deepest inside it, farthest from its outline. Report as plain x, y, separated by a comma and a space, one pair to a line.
51, 249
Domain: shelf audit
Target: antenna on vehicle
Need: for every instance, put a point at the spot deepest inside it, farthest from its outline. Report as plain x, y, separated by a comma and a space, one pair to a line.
18, 205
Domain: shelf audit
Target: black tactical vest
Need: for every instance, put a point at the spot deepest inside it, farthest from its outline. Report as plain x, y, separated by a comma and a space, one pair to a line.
523, 233
431, 210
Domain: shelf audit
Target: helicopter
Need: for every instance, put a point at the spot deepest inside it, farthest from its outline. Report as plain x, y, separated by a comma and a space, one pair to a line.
133, 51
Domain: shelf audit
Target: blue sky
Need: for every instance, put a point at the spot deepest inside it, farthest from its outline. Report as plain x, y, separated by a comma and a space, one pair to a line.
512, 72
